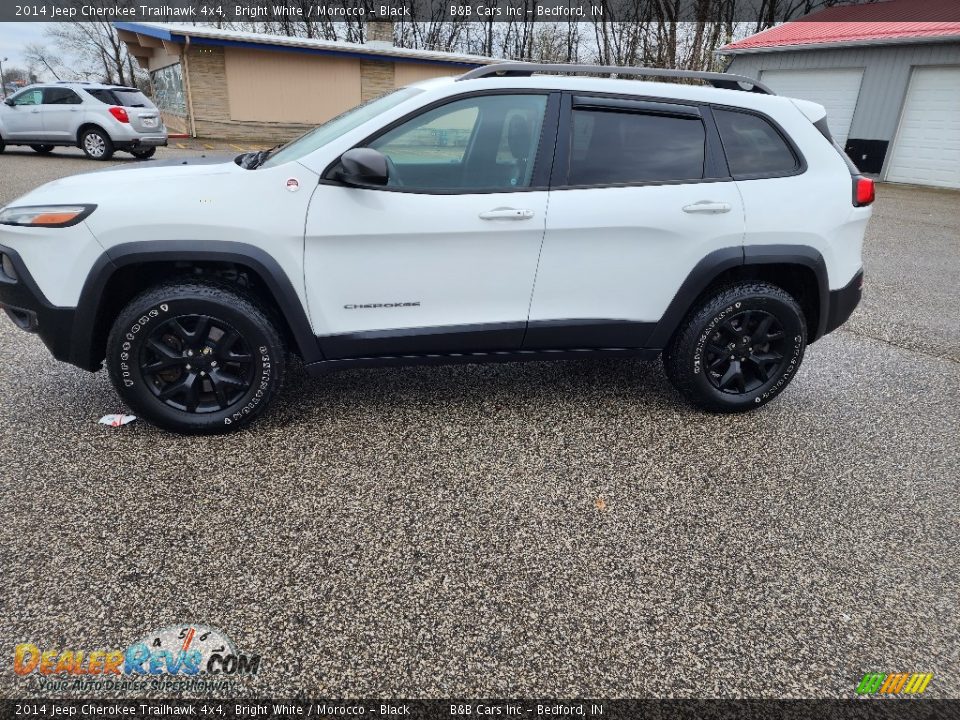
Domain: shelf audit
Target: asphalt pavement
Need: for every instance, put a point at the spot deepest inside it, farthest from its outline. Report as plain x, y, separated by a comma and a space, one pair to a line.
541, 529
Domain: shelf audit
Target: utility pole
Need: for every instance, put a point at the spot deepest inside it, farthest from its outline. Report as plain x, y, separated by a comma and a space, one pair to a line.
3, 84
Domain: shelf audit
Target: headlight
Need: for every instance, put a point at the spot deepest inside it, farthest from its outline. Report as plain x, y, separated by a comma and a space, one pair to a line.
51, 216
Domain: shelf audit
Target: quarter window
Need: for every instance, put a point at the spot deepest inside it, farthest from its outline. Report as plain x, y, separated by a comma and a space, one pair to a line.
488, 142
618, 148
753, 146
60, 96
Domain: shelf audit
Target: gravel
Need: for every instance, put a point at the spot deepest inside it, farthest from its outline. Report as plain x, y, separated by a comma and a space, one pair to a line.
551, 529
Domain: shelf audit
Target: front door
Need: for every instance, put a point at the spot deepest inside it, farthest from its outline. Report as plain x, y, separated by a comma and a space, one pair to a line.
443, 258
24, 120
641, 195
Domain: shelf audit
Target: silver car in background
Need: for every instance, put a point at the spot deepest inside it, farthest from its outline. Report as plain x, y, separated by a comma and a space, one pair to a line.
99, 119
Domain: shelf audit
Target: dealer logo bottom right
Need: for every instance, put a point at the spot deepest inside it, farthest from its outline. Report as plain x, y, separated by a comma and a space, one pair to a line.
894, 683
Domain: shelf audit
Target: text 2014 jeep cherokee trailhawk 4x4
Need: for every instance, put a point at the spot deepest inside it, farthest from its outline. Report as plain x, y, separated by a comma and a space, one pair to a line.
516, 212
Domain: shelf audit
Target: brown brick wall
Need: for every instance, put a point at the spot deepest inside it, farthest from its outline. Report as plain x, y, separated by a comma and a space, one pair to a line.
174, 122
208, 83
376, 78
380, 30
270, 133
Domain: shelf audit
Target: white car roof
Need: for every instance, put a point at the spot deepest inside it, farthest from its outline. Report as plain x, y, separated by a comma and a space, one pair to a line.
620, 86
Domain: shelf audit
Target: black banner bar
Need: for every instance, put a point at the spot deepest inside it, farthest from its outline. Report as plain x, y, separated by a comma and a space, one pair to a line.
218, 11
491, 709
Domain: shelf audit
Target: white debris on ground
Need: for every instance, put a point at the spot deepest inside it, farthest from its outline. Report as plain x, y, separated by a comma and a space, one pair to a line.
117, 420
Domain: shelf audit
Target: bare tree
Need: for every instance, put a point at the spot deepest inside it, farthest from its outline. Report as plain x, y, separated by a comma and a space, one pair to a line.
40, 58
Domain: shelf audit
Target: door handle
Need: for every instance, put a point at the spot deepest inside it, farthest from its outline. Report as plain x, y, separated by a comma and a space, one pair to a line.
707, 207
507, 213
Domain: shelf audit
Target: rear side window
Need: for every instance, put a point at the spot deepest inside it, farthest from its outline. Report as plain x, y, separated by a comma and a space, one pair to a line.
60, 96
754, 147
125, 97
617, 148
131, 97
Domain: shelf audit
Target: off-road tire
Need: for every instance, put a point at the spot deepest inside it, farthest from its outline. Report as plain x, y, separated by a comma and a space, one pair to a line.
161, 328
42, 149
96, 144
709, 378
144, 153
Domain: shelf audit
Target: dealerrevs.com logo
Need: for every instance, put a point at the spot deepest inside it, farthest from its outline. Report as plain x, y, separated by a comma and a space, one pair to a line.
186, 651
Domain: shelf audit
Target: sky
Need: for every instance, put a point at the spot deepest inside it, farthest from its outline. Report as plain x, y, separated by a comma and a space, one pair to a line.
13, 36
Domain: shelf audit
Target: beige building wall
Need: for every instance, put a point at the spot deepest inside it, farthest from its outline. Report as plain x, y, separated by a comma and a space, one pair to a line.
270, 97
281, 87
408, 72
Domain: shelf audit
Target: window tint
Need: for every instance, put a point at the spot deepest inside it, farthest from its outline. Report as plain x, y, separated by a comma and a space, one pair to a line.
131, 97
126, 97
753, 146
60, 96
29, 97
610, 148
485, 142
104, 96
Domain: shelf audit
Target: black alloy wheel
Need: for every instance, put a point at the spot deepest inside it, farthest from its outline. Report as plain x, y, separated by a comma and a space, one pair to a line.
197, 364
745, 352
738, 348
196, 356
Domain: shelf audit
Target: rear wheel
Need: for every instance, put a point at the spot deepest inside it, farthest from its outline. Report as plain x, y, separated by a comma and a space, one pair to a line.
144, 153
3, 145
195, 358
96, 144
42, 149
739, 349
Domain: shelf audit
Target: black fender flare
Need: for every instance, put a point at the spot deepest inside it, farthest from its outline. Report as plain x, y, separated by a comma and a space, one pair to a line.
719, 261
152, 251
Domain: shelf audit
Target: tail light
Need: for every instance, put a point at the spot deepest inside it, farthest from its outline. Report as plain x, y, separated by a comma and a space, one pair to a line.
120, 114
864, 192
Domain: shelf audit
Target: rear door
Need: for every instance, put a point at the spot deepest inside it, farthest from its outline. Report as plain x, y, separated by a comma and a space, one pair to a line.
640, 195
143, 114
61, 114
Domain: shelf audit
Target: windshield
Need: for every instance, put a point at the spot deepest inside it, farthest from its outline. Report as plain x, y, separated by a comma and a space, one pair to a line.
335, 127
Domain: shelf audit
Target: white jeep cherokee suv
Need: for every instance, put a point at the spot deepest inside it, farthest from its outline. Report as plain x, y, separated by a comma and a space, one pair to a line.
514, 213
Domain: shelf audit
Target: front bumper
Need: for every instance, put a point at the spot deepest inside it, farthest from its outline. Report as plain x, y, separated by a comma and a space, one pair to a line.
843, 302
28, 308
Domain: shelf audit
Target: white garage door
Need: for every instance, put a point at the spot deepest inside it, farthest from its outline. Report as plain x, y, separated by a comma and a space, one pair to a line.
836, 90
926, 149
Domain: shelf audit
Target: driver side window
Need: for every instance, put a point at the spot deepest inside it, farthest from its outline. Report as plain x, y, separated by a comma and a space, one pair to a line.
29, 97
478, 143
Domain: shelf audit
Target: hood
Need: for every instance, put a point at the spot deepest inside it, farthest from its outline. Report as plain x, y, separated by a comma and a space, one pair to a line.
98, 185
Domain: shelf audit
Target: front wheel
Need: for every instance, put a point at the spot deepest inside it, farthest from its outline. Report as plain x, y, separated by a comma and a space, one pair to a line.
144, 153
96, 144
739, 349
195, 357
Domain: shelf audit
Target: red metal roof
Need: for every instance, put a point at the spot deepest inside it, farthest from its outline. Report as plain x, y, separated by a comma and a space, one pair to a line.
884, 21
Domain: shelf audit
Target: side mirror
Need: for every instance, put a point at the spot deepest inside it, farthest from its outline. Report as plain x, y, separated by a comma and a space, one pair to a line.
8, 101
363, 167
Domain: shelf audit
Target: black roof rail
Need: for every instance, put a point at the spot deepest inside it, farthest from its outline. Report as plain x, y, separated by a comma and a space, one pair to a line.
523, 69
